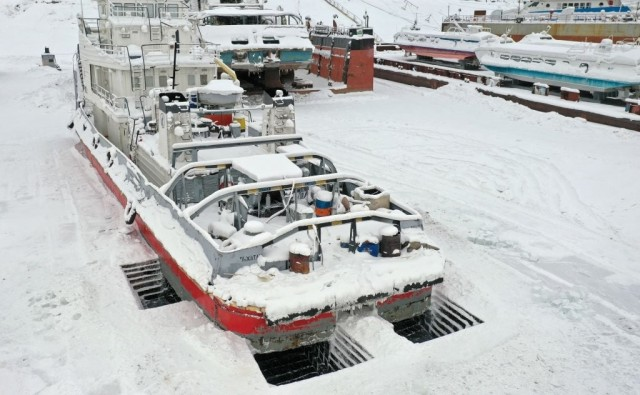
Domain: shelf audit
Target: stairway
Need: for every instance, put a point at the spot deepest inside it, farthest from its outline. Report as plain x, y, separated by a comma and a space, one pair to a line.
302, 363
444, 318
149, 284
350, 15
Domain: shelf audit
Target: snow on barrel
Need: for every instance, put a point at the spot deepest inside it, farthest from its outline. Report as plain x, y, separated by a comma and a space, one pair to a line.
323, 203
390, 244
299, 254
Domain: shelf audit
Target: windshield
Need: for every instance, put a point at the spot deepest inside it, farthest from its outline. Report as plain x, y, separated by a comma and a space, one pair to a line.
277, 20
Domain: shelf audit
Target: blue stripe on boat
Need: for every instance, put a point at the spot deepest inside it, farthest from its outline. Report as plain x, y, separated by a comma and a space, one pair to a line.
559, 79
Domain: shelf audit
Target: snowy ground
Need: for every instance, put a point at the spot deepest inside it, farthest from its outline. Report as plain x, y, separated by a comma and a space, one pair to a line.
538, 215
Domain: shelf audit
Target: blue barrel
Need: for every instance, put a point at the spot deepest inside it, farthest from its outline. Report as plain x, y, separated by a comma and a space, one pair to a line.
323, 203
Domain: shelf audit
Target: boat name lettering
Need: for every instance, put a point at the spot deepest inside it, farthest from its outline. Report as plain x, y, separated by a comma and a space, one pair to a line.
249, 258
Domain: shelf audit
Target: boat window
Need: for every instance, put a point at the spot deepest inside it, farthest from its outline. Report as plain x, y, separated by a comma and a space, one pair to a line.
148, 81
267, 20
168, 10
191, 80
536, 60
130, 9
118, 9
203, 79
162, 80
515, 58
526, 59
534, 4
564, 5
224, 20
548, 5
551, 62
504, 57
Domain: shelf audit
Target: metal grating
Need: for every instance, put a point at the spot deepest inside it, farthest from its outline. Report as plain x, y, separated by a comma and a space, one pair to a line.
302, 363
444, 317
149, 284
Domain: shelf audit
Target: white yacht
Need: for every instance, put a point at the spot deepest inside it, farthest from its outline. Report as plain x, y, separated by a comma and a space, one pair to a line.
457, 44
565, 8
256, 40
604, 69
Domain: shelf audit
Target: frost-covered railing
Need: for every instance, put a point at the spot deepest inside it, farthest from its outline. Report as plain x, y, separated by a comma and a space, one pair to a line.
242, 3
195, 147
90, 28
407, 213
147, 10
544, 18
118, 52
211, 167
155, 209
163, 53
118, 103
345, 11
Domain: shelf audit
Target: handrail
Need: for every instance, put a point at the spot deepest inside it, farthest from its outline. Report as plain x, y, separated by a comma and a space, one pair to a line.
351, 16
195, 147
110, 98
227, 163
610, 17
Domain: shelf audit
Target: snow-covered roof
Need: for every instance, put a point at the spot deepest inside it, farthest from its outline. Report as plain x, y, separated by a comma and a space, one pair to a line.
267, 167
222, 87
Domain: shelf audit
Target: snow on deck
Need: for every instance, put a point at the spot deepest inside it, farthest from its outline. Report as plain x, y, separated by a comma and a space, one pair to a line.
536, 213
338, 283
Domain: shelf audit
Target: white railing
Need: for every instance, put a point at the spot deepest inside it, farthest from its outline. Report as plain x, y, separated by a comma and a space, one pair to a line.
351, 16
159, 10
573, 18
345, 12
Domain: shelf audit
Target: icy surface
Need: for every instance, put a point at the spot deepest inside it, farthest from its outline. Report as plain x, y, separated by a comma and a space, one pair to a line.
536, 213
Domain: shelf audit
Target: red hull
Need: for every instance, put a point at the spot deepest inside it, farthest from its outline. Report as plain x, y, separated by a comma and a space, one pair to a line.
244, 322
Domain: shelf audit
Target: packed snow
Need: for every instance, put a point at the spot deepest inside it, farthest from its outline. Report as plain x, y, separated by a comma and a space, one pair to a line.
536, 213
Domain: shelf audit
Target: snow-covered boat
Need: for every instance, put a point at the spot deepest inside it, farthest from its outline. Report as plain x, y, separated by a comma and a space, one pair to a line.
565, 9
457, 44
260, 231
255, 39
604, 69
